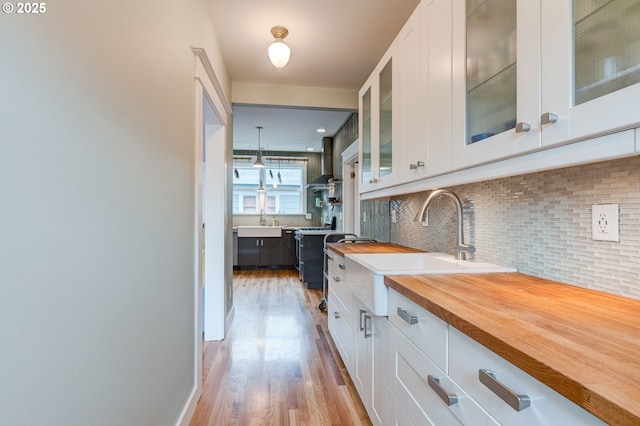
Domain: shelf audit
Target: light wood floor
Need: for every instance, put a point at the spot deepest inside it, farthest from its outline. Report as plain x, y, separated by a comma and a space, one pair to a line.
278, 364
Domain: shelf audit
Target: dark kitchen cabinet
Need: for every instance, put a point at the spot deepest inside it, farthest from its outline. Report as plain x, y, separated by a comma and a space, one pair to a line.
263, 252
288, 248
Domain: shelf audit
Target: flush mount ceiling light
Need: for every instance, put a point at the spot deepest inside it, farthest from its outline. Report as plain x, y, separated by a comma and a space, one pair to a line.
279, 52
259, 163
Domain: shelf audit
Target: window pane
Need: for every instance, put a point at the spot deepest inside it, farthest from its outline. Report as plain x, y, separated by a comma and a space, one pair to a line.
285, 185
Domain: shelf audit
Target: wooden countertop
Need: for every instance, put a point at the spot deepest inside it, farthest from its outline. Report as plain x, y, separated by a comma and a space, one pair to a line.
363, 248
582, 343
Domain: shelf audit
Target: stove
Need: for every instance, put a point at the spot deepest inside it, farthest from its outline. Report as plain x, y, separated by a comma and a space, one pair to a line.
314, 230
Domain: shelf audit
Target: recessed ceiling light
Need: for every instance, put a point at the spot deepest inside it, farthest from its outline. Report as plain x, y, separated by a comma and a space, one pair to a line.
321, 130
310, 148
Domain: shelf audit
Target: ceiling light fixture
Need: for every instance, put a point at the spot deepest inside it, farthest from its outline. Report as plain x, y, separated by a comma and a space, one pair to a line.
259, 163
279, 51
321, 130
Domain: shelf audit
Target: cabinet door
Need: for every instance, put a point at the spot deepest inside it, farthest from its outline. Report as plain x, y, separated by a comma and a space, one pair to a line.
496, 80
377, 129
288, 248
590, 66
411, 97
270, 251
370, 362
248, 251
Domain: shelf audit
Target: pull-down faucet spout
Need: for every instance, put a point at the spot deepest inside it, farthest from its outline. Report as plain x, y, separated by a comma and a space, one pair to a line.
461, 248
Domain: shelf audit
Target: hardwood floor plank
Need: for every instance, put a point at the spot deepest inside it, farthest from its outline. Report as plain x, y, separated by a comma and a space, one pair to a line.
278, 365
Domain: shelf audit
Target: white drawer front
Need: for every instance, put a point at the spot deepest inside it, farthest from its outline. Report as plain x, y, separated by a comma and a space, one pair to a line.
339, 323
336, 279
547, 407
429, 333
417, 395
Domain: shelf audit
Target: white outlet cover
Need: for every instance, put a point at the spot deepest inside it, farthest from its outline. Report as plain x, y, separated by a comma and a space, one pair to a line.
605, 222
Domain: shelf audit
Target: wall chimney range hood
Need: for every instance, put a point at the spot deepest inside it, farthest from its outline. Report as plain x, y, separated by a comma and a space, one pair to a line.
326, 165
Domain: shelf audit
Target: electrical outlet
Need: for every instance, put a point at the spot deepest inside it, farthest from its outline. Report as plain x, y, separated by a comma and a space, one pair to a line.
394, 216
605, 222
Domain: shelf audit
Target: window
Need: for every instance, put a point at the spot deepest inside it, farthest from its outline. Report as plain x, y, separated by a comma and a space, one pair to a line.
285, 185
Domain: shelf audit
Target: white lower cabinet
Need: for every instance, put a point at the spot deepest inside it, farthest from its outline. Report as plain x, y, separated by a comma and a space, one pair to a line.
426, 395
471, 365
371, 361
340, 327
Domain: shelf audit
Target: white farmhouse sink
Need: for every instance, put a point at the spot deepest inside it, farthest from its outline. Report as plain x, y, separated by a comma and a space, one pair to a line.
423, 263
365, 272
259, 231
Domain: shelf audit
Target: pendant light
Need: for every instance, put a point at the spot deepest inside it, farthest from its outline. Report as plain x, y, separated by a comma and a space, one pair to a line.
259, 163
279, 51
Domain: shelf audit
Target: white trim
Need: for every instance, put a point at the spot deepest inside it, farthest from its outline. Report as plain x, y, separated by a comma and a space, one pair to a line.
206, 87
609, 147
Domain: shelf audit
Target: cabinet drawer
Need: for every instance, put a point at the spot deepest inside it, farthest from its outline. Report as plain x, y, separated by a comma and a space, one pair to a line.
339, 322
418, 396
336, 279
467, 357
428, 332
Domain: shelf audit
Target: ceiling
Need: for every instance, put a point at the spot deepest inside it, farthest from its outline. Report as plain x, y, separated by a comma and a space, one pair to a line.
334, 44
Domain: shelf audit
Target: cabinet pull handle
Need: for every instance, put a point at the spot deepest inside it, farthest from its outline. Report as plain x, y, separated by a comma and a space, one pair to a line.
522, 127
366, 334
336, 315
447, 398
341, 266
329, 256
261, 243
515, 401
373, 180
416, 165
257, 243
360, 320
548, 118
336, 279
407, 316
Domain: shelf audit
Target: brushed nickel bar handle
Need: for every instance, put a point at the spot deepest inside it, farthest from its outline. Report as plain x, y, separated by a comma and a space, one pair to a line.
360, 319
366, 334
447, 398
515, 401
341, 266
336, 315
336, 279
407, 316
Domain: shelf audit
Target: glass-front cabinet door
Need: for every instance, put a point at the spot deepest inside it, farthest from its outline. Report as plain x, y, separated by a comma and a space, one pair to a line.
376, 126
365, 136
386, 119
590, 67
496, 87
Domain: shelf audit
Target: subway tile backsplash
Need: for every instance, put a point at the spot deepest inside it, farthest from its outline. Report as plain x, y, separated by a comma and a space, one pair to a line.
539, 223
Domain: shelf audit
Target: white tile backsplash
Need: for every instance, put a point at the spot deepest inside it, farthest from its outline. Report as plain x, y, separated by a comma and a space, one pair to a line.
541, 224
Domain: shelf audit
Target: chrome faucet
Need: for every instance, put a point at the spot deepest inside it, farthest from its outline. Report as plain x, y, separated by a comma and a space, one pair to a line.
263, 222
461, 248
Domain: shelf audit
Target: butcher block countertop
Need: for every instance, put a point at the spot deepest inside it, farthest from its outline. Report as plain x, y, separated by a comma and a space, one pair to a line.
583, 344
365, 248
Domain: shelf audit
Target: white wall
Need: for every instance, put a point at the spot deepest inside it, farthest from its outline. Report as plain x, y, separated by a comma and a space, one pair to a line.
96, 224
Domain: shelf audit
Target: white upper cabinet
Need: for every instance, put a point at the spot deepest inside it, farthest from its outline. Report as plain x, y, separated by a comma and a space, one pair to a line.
377, 126
590, 67
496, 80
424, 93
532, 74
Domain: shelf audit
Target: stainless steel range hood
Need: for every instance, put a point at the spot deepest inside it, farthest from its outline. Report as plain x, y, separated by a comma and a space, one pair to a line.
326, 165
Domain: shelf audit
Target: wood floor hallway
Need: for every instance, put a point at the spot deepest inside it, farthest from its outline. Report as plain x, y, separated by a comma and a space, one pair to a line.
278, 364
